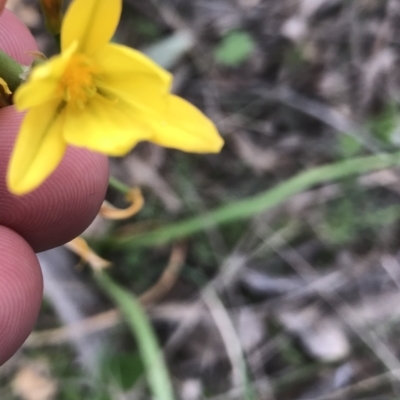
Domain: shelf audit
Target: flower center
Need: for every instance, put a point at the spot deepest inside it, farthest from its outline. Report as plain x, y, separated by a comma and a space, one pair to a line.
77, 84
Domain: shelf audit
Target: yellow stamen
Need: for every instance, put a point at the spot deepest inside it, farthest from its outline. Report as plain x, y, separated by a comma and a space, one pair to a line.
77, 84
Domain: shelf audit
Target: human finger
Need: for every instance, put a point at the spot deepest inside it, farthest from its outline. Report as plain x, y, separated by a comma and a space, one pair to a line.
21, 290
16, 39
69, 200
64, 205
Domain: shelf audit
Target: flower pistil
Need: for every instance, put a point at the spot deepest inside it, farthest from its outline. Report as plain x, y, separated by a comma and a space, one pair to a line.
77, 85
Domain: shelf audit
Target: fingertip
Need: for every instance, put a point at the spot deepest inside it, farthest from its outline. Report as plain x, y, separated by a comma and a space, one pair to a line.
64, 205
21, 289
69, 200
15, 38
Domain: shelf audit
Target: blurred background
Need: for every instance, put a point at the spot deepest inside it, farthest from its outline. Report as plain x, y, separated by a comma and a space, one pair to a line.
288, 294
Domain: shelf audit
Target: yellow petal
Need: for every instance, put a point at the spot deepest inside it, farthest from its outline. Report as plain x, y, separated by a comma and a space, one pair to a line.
38, 150
35, 93
115, 59
134, 196
110, 127
186, 128
91, 23
80, 247
133, 77
43, 82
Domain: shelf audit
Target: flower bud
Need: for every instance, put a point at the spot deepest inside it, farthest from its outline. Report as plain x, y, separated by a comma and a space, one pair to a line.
52, 11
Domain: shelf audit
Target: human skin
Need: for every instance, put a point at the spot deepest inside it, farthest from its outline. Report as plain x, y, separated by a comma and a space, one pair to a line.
53, 214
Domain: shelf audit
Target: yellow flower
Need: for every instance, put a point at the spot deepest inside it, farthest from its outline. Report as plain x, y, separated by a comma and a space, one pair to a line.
99, 95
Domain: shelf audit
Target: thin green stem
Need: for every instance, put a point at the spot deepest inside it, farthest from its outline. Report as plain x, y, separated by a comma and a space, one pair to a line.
262, 202
140, 326
57, 39
118, 185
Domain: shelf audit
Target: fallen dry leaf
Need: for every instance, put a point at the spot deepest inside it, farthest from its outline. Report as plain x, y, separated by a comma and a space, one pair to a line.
34, 382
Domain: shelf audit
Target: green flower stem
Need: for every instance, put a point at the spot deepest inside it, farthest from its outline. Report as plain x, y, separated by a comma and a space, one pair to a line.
262, 202
57, 39
10, 71
118, 185
140, 325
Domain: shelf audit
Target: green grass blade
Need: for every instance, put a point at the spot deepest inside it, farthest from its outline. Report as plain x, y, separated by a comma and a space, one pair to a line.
264, 201
140, 326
